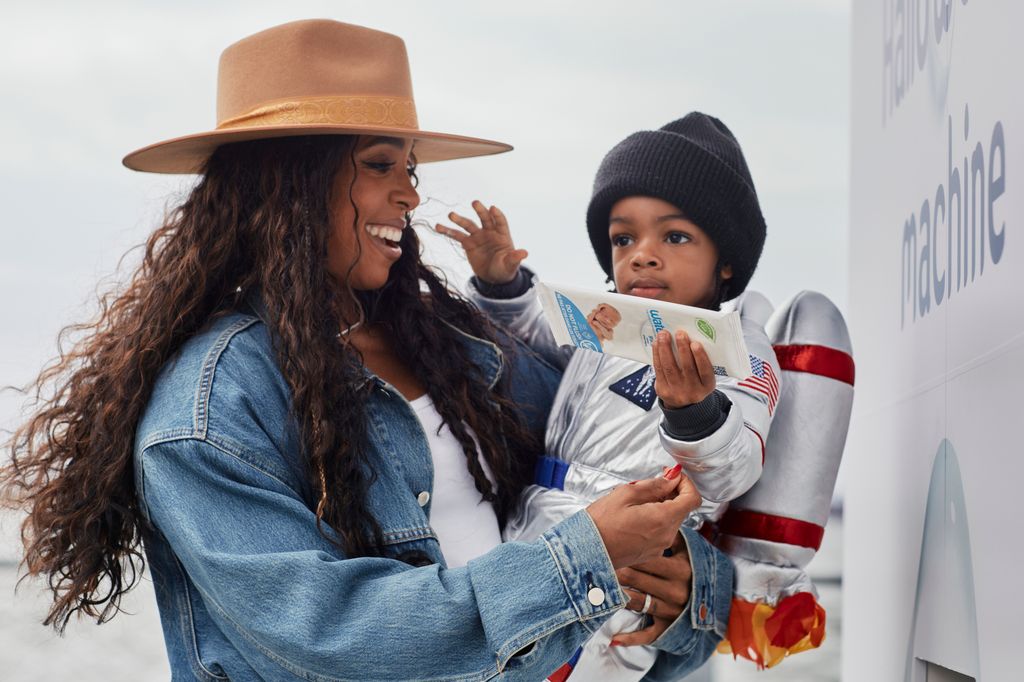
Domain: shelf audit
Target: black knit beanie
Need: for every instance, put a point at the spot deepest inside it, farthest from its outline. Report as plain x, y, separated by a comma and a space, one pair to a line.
696, 164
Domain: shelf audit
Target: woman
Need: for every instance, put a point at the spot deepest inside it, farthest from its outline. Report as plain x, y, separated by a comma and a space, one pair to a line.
247, 411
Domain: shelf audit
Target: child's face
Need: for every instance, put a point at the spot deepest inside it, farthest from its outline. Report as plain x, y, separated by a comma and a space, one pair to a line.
658, 253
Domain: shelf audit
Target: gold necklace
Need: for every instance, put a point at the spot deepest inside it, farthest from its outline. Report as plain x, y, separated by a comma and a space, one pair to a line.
348, 330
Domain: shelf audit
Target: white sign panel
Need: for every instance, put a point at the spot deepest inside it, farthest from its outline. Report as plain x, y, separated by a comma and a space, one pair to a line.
934, 464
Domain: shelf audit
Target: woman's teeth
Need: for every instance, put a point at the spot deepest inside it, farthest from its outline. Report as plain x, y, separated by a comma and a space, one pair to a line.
385, 232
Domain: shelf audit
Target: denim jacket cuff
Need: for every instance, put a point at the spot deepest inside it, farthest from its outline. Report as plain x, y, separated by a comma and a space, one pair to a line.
585, 568
710, 597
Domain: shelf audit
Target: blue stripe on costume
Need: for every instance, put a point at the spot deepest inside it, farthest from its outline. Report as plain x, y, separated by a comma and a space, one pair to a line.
550, 472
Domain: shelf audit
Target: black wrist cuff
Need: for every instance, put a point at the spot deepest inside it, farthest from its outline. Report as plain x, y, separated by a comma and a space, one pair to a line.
697, 421
514, 289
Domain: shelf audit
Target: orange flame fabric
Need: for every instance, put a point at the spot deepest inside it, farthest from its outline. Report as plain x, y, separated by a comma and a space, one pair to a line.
766, 634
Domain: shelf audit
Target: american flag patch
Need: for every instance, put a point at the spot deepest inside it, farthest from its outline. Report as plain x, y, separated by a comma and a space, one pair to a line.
763, 380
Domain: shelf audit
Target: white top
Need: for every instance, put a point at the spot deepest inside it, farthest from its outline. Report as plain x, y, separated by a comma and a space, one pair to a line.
466, 526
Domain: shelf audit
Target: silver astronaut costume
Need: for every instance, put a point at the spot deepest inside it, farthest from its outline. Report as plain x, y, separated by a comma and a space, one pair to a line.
602, 424
773, 531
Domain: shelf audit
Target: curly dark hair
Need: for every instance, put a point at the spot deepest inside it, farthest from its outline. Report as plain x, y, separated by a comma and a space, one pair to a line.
258, 220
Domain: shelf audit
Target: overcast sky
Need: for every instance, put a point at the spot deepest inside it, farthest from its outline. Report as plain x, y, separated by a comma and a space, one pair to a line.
84, 83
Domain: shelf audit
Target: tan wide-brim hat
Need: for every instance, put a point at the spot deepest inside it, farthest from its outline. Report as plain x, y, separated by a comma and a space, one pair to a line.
314, 77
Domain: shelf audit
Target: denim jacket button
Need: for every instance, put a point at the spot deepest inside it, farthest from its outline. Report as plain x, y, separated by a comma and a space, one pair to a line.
595, 595
423, 498
703, 611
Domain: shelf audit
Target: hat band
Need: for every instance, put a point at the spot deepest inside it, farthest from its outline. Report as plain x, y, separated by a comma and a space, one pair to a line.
391, 112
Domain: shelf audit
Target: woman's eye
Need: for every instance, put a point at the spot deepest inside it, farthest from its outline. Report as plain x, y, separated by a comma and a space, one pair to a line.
380, 166
677, 238
621, 240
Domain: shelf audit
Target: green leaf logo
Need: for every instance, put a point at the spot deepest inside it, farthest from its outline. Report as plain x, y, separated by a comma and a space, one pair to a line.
706, 329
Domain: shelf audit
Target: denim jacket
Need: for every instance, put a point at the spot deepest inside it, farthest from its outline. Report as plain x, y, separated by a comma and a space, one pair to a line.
249, 589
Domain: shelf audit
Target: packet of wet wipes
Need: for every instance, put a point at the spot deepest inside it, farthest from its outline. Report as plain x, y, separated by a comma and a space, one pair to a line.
626, 326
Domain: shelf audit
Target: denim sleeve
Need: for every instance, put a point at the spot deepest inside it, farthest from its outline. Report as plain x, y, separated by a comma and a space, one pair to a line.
692, 638
296, 608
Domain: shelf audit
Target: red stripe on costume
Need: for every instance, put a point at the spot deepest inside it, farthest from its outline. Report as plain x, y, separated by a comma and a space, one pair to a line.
562, 674
820, 360
750, 524
759, 440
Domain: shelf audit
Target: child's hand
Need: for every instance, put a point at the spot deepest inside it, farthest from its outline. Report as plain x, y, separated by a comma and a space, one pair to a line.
603, 320
685, 381
489, 248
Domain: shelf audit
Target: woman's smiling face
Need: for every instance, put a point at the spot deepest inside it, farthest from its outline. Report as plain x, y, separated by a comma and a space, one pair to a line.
372, 194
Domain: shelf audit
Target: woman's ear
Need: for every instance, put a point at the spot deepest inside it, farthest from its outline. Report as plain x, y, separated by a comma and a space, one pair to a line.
726, 272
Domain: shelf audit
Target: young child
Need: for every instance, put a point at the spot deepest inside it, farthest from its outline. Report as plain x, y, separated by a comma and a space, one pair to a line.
674, 216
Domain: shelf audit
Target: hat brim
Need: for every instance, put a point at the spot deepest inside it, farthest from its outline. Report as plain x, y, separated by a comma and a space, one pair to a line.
188, 154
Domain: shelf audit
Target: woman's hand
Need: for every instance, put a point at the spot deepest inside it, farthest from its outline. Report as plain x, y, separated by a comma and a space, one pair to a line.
603, 319
663, 584
638, 521
488, 246
683, 381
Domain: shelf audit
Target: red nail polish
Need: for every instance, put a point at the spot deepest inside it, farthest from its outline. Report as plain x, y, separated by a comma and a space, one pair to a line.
615, 642
632, 482
673, 473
